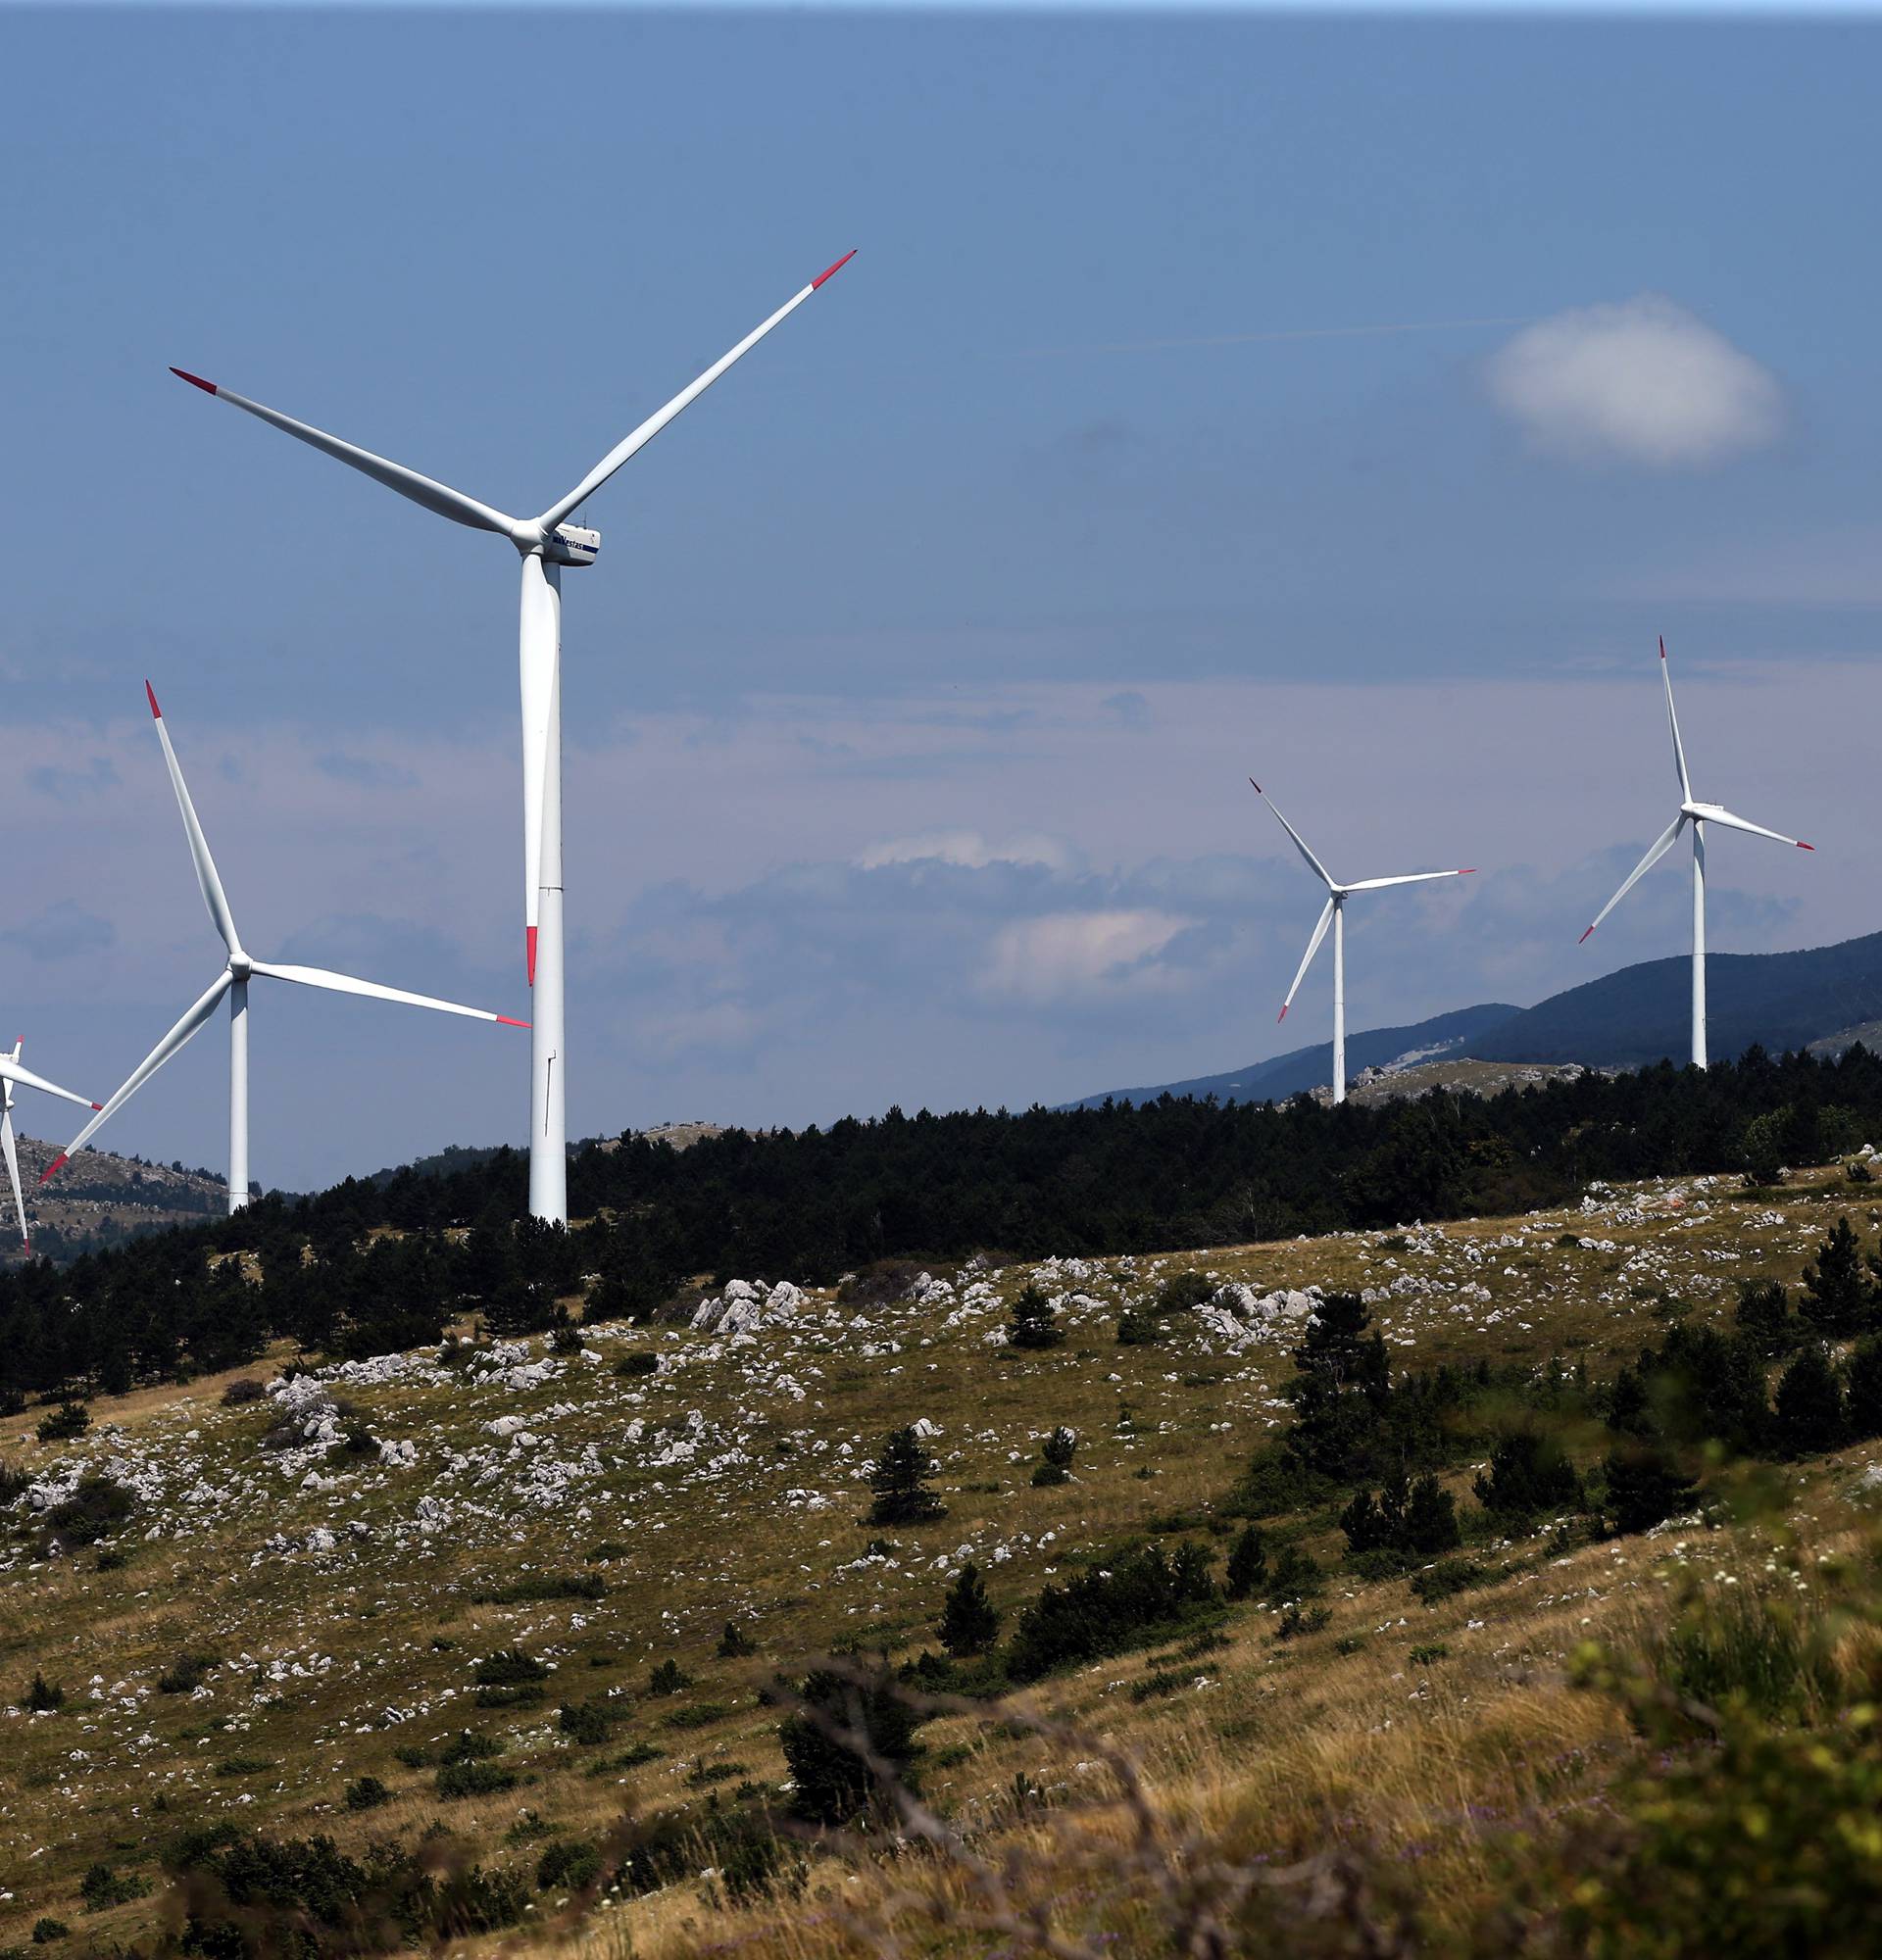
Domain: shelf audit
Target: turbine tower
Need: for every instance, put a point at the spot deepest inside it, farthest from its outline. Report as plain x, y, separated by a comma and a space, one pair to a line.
11, 1072
239, 967
548, 544
1334, 913
1699, 815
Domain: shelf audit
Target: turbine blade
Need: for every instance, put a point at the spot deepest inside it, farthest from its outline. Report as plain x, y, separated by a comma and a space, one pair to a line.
207, 879
344, 983
205, 1005
1715, 814
1411, 878
25, 1078
425, 490
1319, 870
639, 438
1307, 958
1672, 719
13, 1176
1668, 839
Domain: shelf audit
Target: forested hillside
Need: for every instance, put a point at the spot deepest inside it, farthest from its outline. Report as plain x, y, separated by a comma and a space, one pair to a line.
368, 1267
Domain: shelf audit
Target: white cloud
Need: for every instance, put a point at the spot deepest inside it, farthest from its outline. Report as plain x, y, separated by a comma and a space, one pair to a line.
1064, 953
967, 849
1643, 381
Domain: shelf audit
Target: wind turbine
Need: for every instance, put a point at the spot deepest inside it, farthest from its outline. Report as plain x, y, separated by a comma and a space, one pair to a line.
11, 1072
1334, 913
1699, 815
239, 967
547, 543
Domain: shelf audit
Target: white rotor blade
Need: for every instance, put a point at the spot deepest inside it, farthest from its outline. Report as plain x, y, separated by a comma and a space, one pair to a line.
207, 879
343, 983
205, 1005
657, 422
1668, 839
1712, 813
25, 1078
1679, 748
1307, 958
1411, 878
435, 496
13, 1176
1319, 870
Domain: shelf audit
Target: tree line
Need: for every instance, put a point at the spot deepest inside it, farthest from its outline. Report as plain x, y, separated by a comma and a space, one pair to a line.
374, 1265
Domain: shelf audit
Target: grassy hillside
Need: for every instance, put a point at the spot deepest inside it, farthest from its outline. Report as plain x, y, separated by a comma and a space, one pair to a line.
102, 1199
282, 1615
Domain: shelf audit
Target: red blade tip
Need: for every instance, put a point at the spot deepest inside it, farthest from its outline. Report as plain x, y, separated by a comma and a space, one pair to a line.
530, 952
506, 1021
1255, 786
1662, 645
1805, 847
150, 692
97, 1106
1583, 940
1282, 1015
828, 272
52, 1166
1468, 872
194, 381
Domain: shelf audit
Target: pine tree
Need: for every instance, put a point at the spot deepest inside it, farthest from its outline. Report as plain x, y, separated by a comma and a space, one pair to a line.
969, 1621
1247, 1564
1864, 1404
1764, 1319
1034, 1321
1430, 1522
899, 1482
1528, 1474
1810, 1414
1836, 1298
1644, 1486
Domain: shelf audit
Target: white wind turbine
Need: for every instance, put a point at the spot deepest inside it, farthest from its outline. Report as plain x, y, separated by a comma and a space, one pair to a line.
547, 544
11, 1072
238, 969
1334, 913
1699, 815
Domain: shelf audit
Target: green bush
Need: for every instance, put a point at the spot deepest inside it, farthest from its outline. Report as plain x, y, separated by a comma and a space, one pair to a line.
509, 1667
571, 1865
474, 1779
69, 1419
367, 1794
1247, 1570
1529, 1474
735, 1643
542, 1585
103, 1887
98, 1507
45, 1930
1103, 1610
1448, 1577
187, 1673
587, 1722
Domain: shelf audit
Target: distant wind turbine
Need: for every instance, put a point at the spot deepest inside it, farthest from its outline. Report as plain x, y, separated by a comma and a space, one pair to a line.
1699, 815
1335, 914
548, 544
238, 968
11, 1072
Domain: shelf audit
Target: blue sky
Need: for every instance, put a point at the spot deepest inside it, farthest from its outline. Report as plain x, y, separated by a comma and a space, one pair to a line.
911, 702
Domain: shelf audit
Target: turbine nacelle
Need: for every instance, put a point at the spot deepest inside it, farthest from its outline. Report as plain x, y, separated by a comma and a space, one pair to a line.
566, 544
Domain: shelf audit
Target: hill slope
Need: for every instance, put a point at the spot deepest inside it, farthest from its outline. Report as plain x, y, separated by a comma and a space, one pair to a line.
1782, 1001
1460, 1030
101, 1199
343, 1599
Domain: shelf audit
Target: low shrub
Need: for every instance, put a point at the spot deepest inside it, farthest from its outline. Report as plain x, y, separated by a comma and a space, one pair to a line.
245, 1389
542, 1585
668, 1678
367, 1794
69, 1419
1103, 1610
42, 1697
187, 1673
474, 1779
509, 1667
